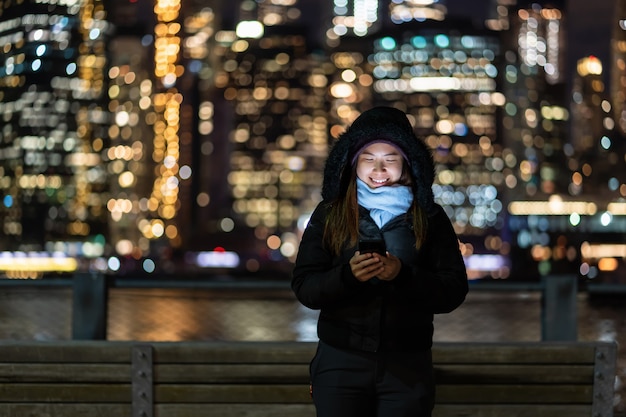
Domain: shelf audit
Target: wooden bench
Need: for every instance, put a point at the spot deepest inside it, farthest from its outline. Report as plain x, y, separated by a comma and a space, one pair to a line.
270, 379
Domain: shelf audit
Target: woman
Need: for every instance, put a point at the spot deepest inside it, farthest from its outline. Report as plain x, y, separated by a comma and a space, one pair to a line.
375, 326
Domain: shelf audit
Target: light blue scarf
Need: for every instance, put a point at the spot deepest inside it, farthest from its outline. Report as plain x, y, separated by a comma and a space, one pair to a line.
384, 203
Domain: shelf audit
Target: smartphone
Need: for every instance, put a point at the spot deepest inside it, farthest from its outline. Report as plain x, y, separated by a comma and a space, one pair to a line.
373, 245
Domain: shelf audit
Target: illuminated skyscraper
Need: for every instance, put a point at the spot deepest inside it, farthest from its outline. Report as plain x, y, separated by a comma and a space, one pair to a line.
598, 143
129, 154
536, 115
166, 157
54, 126
278, 140
443, 74
161, 115
446, 79
589, 107
107, 109
570, 162
535, 133
598, 138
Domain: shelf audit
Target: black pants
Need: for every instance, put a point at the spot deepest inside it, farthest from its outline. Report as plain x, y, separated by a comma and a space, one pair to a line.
348, 383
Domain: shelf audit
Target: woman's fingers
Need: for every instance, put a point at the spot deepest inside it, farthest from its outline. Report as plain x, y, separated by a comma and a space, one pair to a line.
366, 266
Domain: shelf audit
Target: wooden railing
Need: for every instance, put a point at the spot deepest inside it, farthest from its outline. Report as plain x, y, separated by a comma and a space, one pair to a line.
270, 379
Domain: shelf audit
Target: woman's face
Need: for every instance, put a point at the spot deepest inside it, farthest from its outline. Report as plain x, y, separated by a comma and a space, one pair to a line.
380, 164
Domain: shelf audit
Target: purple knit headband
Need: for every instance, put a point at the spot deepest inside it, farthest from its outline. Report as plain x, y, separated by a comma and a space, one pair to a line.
388, 142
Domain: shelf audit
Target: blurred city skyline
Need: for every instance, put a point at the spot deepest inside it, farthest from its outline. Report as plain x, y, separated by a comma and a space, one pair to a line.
196, 132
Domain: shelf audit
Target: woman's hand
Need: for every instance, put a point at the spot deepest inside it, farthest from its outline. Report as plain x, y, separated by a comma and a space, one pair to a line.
369, 265
391, 267
366, 266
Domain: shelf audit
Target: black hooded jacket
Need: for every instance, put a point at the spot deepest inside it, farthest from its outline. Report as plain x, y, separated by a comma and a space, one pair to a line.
379, 315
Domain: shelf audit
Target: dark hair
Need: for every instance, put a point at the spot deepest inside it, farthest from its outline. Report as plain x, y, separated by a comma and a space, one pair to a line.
342, 223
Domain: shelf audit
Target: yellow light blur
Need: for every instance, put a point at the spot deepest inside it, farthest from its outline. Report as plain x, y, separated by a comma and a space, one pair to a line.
341, 90
607, 264
273, 242
124, 247
126, 179
157, 228
445, 126
12, 263
250, 29
605, 250
589, 66
541, 253
171, 231
525, 208
617, 208
348, 75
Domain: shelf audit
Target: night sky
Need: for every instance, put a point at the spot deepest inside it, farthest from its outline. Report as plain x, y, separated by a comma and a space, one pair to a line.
590, 24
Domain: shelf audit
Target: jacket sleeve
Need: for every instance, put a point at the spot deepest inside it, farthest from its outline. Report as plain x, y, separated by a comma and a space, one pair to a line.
319, 279
438, 282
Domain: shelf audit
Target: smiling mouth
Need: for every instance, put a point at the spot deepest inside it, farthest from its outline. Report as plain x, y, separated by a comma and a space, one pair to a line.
379, 182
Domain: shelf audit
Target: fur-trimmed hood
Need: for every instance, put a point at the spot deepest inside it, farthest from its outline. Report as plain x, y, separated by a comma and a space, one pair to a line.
385, 124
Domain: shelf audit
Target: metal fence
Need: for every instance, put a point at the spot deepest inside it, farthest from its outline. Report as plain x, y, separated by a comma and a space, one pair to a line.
98, 307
